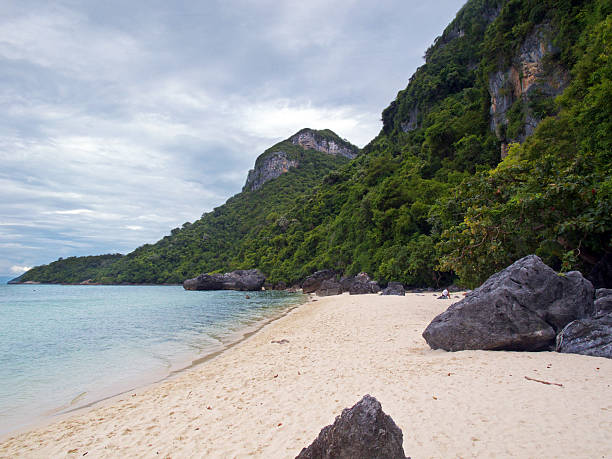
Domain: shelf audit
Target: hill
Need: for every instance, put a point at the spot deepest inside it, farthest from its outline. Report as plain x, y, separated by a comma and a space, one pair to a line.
499, 146
283, 174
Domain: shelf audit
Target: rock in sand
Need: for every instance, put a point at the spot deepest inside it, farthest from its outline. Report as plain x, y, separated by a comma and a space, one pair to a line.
361, 432
521, 308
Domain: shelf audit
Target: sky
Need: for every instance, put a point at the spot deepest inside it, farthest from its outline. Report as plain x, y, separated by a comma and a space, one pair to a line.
122, 120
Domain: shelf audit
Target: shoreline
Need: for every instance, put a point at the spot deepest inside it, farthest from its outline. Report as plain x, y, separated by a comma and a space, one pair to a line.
269, 398
235, 337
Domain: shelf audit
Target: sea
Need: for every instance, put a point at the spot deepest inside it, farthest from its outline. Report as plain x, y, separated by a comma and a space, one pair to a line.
64, 347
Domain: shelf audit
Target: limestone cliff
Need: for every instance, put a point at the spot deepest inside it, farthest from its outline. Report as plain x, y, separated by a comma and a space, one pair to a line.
533, 76
283, 156
325, 142
271, 166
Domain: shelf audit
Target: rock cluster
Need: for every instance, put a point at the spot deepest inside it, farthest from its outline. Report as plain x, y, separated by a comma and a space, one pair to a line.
528, 307
361, 432
251, 279
394, 288
362, 284
313, 282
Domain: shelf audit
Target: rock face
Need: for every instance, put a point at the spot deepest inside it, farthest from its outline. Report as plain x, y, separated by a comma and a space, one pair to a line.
312, 140
528, 78
271, 167
590, 336
329, 287
521, 308
361, 432
313, 283
277, 161
251, 279
603, 300
394, 288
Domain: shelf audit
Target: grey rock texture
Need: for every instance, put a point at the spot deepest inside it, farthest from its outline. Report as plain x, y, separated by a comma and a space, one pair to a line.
528, 76
394, 288
521, 308
363, 288
590, 336
329, 287
361, 432
603, 300
271, 167
313, 283
346, 283
312, 140
244, 280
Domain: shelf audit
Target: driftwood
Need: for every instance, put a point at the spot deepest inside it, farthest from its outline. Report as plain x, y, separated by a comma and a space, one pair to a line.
543, 382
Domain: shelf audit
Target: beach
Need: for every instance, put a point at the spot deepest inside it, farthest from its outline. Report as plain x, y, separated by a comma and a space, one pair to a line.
270, 394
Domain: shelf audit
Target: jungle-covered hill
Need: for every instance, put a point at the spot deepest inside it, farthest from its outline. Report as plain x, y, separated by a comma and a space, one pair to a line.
499, 146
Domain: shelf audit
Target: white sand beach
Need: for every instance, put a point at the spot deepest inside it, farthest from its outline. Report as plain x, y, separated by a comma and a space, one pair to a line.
266, 399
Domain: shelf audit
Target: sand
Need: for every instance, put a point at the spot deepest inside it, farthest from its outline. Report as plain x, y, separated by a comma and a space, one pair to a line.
266, 399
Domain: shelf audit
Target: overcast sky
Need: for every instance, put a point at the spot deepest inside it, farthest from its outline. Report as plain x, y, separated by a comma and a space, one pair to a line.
120, 120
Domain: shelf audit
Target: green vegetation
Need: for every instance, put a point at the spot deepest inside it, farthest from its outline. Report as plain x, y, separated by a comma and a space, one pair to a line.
427, 201
70, 270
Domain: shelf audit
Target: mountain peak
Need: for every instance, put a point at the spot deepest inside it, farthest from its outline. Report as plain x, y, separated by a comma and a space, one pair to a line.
284, 155
325, 141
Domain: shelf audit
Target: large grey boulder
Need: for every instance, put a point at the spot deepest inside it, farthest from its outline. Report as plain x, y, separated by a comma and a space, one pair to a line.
329, 287
361, 284
603, 300
394, 288
250, 279
361, 432
590, 336
521, 308
313, 283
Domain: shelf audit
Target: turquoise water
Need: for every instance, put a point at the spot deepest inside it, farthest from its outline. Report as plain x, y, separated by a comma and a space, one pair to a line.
63, 347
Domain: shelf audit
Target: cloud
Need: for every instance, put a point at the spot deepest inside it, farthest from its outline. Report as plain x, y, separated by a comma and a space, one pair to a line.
20, 269
71, 212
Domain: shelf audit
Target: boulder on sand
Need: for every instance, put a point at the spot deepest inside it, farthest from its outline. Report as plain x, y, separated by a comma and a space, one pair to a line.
329, 287
521, 308
243, 280
361, 284
361, 432
394, 288
590, 336
313, 283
